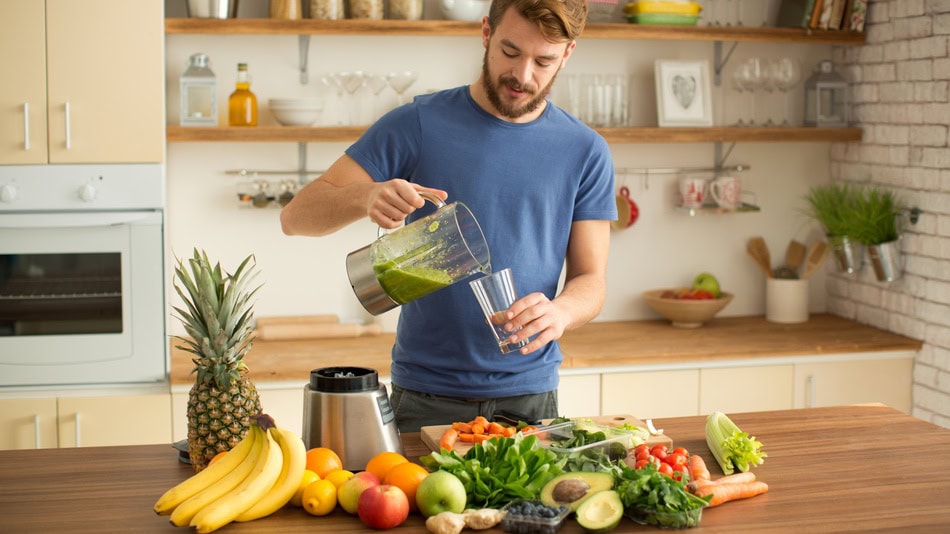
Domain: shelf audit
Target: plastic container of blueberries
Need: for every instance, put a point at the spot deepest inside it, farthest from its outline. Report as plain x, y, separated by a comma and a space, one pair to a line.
525, 524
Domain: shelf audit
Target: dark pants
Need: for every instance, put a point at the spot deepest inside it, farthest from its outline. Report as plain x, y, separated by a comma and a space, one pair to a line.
415, 410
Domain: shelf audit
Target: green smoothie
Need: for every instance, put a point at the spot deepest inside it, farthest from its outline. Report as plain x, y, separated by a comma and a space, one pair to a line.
409, 283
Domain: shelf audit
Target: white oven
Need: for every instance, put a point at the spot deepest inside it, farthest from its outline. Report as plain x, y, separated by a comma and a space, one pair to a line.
81, 275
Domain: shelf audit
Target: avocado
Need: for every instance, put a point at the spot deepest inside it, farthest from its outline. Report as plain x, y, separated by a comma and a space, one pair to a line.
572, 489
601, 512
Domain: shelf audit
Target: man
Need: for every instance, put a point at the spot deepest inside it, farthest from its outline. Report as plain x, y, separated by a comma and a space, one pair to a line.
540, 184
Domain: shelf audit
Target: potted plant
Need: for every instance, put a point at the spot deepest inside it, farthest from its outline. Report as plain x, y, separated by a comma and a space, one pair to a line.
875, 223
831, 205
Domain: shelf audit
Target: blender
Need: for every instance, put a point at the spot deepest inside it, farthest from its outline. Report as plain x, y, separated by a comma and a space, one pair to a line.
347, 410
427, 254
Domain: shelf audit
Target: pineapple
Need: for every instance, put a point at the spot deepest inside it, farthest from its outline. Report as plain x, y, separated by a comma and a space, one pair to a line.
218, 317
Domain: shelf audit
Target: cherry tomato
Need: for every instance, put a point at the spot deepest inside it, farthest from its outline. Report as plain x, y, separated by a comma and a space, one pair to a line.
680, 450
660, 451
643, 447
680, 472
665, 469
675, 459
641, 463
643, 454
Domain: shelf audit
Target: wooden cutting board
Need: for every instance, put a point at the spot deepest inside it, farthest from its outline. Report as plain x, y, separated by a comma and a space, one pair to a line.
432, 434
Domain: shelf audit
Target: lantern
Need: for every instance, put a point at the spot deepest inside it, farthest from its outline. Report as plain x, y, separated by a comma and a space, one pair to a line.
199, 103
826, 98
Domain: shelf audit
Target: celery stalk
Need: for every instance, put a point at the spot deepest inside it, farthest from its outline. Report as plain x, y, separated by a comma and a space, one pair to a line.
733, 449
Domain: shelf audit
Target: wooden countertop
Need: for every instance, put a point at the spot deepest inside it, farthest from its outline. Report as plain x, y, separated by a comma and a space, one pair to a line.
849, 468
604, 344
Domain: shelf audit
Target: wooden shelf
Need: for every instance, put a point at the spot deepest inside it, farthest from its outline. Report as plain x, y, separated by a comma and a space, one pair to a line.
436, 28
297, 134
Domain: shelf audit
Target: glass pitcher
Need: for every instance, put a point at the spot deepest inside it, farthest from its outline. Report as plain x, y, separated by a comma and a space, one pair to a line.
428, 254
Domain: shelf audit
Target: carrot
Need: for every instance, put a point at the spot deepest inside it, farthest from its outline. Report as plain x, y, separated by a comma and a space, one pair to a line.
697, 486
467, 438
697, 468
462, 427
448, 439
509, 431
495, 428
482, 437
723, 493
478, 428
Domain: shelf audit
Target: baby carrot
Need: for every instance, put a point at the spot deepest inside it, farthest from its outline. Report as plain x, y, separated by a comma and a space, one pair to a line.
448, 439
697, 468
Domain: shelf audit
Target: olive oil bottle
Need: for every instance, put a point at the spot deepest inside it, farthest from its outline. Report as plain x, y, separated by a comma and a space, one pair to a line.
242, 104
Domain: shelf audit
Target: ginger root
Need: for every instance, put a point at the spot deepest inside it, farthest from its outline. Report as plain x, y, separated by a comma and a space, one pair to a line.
483, 519
445, 523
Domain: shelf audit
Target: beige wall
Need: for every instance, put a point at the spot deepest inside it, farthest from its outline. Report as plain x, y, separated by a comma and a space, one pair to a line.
900, 90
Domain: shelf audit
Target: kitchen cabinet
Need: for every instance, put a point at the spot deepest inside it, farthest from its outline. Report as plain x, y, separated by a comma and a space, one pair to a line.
28, 423
886, 381
651, 394
745, 389
578, 395
50, 422
73, 93
438, 28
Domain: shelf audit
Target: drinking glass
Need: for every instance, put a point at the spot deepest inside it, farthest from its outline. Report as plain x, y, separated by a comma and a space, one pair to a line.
353, 81
400, 81
495, 294
333, 82
755, 76
376, 83
740, 84
786, 73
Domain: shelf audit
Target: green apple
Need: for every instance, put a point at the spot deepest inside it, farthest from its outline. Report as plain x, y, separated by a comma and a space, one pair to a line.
441, 491
708, 282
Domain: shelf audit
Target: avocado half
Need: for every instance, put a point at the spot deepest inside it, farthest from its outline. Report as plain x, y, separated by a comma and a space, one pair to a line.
572, 489
601, 512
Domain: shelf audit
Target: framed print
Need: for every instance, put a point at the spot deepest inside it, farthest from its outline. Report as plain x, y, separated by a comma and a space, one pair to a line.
683, 93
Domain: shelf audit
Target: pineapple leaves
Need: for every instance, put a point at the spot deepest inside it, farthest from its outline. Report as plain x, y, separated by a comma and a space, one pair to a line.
217, 315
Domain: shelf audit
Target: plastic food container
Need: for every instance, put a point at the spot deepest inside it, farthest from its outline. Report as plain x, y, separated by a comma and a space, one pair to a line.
615, 444
656, 518
666, 8
669, 19
525, 523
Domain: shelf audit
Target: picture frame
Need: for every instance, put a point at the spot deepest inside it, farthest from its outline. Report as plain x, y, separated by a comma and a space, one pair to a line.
683, 95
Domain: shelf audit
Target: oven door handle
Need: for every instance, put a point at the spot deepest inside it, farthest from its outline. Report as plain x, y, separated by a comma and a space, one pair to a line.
75, 220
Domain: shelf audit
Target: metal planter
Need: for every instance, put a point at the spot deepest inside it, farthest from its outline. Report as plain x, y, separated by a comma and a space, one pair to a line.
849, 254
887, 261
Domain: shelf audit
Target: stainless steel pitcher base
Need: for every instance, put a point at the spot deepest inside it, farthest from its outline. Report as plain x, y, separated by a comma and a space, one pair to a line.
359, 269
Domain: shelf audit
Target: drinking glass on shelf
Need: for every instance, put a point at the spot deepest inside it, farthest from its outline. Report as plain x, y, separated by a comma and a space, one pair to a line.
741, 85
333, 82
786, 73
400, 81
352, 82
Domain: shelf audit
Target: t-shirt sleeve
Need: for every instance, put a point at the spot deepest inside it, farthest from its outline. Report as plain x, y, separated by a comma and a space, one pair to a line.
595, 196
390, 147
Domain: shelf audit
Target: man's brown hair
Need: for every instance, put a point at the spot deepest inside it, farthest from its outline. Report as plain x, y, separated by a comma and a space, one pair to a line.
558, 20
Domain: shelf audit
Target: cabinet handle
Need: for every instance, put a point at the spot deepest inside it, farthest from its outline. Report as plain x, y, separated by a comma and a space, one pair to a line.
36, 431
26, 126
69, 142
77, 421
810, 391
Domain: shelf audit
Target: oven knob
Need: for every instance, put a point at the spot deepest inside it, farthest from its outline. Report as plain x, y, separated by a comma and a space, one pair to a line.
88, 192
8, 193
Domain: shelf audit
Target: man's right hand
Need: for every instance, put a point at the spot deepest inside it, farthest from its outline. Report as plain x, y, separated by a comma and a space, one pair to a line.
390, 202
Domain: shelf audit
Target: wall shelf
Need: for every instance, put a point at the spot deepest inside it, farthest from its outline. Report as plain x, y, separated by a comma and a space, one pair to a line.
345, 134
449, 28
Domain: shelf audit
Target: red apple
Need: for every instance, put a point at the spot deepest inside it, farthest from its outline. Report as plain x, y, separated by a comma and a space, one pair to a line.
383, 507
350, 490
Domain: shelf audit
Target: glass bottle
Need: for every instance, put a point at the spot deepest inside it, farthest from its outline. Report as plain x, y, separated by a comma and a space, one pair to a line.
242, 104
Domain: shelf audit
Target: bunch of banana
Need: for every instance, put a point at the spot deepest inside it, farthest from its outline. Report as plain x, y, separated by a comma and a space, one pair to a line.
255, 479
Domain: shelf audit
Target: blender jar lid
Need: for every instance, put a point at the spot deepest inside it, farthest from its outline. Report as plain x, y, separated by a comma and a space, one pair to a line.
344, 379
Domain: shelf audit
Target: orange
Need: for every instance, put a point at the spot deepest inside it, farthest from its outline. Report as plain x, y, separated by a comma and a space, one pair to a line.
309, 477
322, 460
407, 477
338, 476
319, 498
217, 457
380, 464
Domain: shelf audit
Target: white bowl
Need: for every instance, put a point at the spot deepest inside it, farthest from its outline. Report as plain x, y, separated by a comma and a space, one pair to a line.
296, 111
465, 9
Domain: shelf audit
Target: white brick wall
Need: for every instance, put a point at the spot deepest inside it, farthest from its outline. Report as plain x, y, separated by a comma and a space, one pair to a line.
900, 96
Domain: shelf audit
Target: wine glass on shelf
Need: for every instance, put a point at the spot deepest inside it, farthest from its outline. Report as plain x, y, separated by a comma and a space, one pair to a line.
739, 83
352, 82
754, 76
376, 83
786, 73
333, 82
738, 12
400, 81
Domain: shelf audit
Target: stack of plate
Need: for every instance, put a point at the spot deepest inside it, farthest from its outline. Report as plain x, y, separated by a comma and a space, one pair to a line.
296, 111
670, 12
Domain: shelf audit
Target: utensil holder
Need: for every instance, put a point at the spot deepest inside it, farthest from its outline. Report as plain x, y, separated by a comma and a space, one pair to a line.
786, 301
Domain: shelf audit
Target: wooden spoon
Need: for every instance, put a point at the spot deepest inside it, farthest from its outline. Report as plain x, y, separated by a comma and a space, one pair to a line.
759, 251
795, 254
816, 255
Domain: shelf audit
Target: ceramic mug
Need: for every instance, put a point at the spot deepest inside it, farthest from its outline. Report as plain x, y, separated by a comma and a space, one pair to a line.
627, 210
727, 192
692, 192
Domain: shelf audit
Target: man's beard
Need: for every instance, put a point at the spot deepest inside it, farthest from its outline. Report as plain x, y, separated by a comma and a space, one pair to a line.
494, 96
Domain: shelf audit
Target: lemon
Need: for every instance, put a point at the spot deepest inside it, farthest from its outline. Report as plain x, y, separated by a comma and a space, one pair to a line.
309, 477
319, 498
338, 476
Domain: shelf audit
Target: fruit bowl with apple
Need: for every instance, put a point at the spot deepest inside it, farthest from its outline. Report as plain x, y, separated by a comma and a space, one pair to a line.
690, 307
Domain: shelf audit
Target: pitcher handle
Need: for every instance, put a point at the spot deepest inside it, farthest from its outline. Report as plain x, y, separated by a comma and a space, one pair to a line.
425, 195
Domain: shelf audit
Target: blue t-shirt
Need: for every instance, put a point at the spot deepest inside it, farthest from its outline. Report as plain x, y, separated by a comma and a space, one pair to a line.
525, 183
